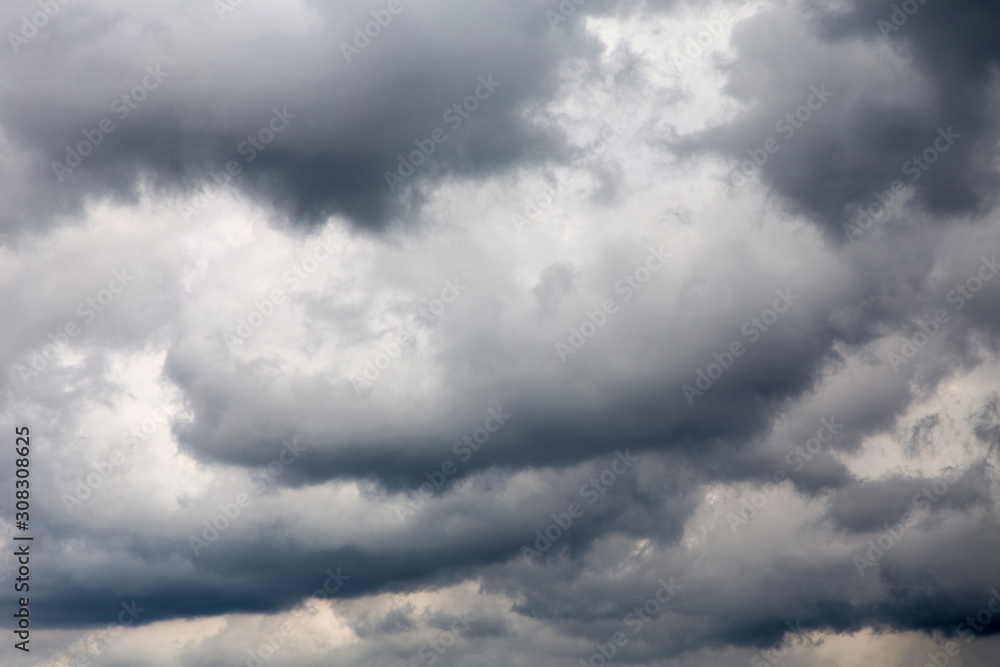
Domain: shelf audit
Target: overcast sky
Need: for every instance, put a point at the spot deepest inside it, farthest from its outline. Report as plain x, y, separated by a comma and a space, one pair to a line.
512, 332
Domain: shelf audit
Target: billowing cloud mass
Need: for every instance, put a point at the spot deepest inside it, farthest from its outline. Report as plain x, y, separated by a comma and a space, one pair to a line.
514, 333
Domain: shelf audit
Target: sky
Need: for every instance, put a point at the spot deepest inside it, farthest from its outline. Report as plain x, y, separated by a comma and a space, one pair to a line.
402, 333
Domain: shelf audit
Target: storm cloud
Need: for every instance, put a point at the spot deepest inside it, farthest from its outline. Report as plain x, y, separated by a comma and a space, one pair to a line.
408, 333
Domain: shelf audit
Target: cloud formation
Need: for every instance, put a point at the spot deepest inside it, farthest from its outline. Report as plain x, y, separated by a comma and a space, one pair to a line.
402, 333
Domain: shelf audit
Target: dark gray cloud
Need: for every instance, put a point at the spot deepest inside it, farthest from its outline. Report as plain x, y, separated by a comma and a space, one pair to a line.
931, 80
478, 466
868, 506
348, 122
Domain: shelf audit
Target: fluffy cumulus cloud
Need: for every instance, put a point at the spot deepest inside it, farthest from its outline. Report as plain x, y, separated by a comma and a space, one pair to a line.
554, 333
